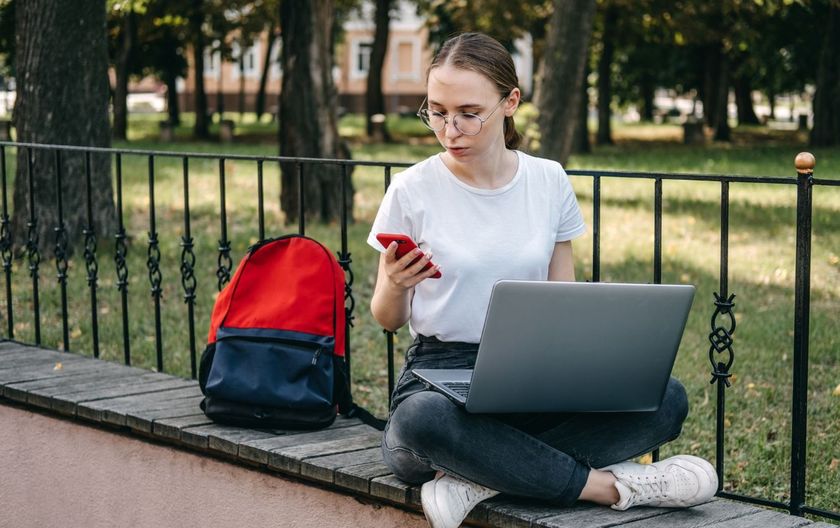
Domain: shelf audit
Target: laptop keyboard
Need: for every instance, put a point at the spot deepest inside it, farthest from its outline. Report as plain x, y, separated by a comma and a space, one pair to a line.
460, 388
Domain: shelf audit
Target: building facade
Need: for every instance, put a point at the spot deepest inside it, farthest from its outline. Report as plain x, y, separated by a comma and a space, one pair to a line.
233, 84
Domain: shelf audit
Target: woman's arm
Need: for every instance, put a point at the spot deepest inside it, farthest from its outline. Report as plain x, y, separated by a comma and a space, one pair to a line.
395, 281
562, 265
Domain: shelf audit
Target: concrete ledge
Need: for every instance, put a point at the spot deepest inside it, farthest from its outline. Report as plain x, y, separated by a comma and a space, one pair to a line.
164, 409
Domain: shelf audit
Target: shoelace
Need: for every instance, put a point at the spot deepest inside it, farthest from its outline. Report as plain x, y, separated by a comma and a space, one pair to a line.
650, 486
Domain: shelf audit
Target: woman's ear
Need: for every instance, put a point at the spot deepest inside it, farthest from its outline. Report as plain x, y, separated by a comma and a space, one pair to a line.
512, 102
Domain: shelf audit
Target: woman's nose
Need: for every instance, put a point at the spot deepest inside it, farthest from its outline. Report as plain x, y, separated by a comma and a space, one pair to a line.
449, 129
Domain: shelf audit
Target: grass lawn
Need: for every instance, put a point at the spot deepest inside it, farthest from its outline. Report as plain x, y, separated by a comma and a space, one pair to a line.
761, 273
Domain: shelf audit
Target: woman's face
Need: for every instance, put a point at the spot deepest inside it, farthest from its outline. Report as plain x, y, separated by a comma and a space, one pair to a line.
453, 90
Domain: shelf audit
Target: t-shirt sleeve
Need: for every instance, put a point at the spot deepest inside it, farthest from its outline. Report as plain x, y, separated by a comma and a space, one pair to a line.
393, 216
570, 223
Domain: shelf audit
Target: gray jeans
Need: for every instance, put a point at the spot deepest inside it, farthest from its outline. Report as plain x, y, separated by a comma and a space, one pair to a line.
543, 456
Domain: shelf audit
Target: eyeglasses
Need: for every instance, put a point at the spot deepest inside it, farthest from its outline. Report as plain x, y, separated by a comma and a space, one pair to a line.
466, 123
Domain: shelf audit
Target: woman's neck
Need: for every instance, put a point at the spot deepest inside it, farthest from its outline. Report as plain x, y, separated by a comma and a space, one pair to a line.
488, 172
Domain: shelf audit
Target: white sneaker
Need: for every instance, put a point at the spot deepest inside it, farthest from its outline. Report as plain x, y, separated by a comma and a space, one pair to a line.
675, 482
447, 500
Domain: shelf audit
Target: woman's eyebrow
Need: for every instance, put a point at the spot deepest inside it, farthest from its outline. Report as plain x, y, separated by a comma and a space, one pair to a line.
460, 107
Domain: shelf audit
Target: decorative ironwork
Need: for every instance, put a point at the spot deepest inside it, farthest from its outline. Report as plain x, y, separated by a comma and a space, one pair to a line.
61, 253
91, 265
121, 251
344, 260
188, 280
721, 339
6, 242
153, 264
224, 264
6, 255
33, 255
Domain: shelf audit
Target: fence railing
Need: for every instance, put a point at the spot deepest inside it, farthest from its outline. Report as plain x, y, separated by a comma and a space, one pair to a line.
721, 353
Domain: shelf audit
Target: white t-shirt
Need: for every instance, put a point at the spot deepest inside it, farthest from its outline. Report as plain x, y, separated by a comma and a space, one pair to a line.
477, 236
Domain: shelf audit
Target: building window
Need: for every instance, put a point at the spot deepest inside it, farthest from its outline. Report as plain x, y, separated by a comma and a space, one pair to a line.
360, 58
212, 63
250, 59
405, 59
276, 70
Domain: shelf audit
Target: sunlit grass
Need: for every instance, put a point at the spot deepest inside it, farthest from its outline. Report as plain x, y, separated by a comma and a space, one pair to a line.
761, 273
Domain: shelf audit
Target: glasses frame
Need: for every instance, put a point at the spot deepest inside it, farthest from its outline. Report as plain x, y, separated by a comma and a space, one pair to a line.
452, 118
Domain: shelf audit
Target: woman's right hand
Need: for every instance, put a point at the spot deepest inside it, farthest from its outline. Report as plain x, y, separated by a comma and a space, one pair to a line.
401, 273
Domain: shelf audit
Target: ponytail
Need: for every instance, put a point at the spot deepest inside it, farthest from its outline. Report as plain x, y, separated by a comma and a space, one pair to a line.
512, 137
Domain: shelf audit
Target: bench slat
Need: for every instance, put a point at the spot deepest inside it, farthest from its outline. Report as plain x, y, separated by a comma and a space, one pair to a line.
323, 467
521, 514
358, 477
92, 405
143, 420
701, 515
288, 459
259, 450
395, 490
170, 428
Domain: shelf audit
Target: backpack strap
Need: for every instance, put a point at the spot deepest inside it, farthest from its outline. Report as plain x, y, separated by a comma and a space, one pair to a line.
344, 398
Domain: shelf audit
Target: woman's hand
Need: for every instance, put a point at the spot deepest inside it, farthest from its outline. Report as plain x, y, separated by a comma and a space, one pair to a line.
395, 280
402, 273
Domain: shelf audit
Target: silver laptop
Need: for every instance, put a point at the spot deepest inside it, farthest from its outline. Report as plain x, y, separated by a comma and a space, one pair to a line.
571, 347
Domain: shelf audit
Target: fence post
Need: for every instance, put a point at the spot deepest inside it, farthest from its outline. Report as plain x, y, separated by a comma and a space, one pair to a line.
805, 163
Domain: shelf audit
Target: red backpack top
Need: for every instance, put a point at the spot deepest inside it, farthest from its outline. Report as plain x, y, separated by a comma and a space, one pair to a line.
289, 283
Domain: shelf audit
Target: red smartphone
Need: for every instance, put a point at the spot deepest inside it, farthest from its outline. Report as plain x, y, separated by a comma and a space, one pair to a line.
404, 246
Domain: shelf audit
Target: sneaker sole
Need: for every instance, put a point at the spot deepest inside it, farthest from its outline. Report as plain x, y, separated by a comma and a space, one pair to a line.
427, 497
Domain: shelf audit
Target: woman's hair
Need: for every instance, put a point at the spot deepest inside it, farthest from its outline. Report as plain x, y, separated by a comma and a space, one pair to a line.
486, 56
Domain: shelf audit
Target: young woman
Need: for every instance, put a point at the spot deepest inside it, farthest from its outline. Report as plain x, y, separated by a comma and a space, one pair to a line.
491, 212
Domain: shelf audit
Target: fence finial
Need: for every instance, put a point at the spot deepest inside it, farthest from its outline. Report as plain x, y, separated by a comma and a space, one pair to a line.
805, 162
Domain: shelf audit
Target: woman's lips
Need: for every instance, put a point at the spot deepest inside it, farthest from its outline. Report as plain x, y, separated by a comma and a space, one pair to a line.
456, 151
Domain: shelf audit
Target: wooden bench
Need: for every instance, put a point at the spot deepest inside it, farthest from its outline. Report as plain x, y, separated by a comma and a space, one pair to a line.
344, 457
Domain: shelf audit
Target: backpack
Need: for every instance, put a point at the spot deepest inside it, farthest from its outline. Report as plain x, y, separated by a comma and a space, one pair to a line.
276, 345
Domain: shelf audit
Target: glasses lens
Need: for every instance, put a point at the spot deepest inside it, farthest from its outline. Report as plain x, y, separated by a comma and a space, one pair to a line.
424, 117
432, 120
468, 124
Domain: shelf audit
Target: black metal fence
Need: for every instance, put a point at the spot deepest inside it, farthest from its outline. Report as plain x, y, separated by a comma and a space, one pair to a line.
723, 323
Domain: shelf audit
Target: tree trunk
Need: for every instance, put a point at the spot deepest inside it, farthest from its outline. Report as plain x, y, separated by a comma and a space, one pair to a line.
122, 67
826, 130
374, 99
308, 117
561, 76
241, 82
220, 94
648, 93
604, 77
771, 101
711, 81
172, 107
744, 102
200, 129
266, 70
582, 145
721, 125
62, 94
